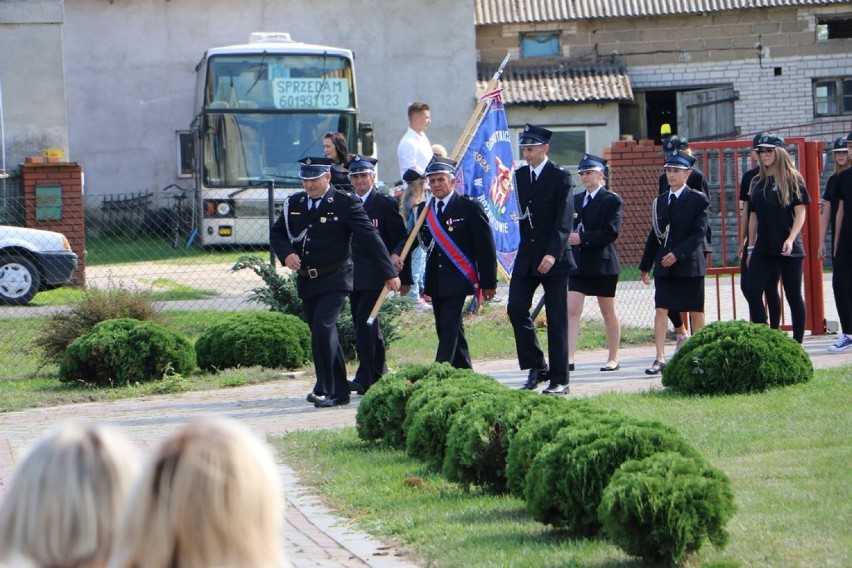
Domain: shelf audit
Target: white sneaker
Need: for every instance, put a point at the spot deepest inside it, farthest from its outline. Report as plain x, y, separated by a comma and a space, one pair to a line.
680, 340
843, 343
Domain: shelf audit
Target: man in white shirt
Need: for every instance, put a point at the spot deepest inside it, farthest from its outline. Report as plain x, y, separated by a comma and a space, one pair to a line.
414, 150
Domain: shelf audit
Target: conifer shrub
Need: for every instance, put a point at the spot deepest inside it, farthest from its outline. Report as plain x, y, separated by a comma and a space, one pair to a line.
381, 411
431, 409
572, 471
540, 429
97, 305
126, 351
479, 438
663, 507
253, 338
736, 357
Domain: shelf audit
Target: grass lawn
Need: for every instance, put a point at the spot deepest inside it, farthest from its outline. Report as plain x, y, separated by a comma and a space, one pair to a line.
788, 453
122, 250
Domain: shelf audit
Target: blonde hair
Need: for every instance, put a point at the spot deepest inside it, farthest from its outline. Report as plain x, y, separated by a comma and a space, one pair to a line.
66, 496
414, 194
439, 150
209, 497
787, 178
837, 167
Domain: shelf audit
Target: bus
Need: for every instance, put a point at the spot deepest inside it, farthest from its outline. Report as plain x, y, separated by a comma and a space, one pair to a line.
259, 108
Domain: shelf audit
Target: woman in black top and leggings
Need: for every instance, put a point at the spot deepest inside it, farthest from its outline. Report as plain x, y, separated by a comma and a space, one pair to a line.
777, 203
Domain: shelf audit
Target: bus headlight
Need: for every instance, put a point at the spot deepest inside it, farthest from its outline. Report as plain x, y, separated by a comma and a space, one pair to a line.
223, 209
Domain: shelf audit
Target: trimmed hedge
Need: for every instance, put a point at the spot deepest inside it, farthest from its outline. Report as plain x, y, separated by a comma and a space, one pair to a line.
432, 407
482, 431
573, 470
663, 507
541, 428
246, 339
125, 351
381, 411
737, 357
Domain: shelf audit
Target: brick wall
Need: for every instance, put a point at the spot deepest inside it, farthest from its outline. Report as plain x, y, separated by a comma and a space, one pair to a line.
69, 176
635, 169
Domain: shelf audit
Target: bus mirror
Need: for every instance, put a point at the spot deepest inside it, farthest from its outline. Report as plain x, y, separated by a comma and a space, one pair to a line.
366, 137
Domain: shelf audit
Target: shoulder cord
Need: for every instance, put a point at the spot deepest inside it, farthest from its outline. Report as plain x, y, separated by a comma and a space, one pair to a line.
527, 215
286, 212
427, 249
662, 236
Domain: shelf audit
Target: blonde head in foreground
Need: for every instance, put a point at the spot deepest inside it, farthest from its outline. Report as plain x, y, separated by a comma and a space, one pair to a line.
209, 497
66, 496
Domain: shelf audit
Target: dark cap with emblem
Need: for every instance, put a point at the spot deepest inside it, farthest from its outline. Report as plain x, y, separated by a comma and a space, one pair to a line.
756, 140
591, 163
361, 164
770, 141
313, 168
678, 159
839, 145
673, 143
411, 175
441, 165
535, 135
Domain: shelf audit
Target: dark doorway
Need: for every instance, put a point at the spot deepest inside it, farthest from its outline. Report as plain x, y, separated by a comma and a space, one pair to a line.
660, 108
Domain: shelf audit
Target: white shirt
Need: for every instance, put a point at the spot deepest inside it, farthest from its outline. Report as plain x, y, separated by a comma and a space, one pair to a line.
537, 169
414, 152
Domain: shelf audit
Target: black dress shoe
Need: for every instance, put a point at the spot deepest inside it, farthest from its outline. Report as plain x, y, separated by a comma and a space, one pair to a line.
356, 387
330, 402
536, 377
314, 397
570, 366
556, 389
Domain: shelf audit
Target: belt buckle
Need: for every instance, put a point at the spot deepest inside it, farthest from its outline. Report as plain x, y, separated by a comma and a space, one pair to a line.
312, 273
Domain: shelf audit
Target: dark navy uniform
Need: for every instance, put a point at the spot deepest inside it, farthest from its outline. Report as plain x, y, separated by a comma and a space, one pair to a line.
383, 212
547, 210
466, 225
322, 238
598, 225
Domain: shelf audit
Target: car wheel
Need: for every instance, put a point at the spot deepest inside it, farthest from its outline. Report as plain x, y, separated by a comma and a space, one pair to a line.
19, 280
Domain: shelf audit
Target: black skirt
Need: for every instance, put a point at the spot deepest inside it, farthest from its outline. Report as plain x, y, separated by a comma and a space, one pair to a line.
603, 286
679, 294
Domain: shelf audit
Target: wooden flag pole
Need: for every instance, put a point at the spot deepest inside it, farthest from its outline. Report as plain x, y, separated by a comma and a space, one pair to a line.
461, 147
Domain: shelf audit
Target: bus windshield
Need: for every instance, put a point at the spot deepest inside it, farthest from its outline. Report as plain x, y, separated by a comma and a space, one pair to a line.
277, 81
248, 147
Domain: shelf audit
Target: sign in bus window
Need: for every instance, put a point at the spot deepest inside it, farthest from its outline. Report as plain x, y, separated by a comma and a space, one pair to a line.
311, 93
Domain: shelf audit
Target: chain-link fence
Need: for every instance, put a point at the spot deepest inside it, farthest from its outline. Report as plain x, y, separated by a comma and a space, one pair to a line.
149, 241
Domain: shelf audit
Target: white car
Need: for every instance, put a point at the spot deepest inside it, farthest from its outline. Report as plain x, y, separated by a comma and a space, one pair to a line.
32, 260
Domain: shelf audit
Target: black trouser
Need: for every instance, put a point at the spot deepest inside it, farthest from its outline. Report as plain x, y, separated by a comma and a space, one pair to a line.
773, 298
530, 356
322, 313
369, 341
841, 283
762, 269
452, 344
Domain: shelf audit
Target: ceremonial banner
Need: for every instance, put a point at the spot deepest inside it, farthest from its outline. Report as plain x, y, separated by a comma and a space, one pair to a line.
485, 174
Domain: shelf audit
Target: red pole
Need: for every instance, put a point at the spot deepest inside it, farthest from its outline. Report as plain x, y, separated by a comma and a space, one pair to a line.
814, 299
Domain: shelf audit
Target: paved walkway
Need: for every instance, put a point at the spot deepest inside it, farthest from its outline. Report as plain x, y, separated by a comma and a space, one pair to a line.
313, 535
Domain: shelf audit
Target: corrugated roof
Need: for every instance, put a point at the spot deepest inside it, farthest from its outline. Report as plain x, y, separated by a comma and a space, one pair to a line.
527, 11
557, 83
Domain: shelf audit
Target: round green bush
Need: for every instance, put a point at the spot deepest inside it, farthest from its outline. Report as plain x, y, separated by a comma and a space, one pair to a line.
737, 357
430, 411
381, 411
540, 429
663, 507
481, 432
572, 471
126, 351
245, 339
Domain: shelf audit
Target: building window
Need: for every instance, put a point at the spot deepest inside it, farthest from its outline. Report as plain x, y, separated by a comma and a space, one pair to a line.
567, 145
540, 45
834, 28
833, 97
184, 154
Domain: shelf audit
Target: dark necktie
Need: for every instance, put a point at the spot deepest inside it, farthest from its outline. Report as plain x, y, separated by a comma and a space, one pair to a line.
672, 199
315, 203
587, 201
534, 177
440, 208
